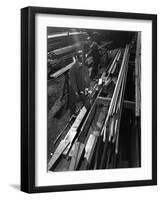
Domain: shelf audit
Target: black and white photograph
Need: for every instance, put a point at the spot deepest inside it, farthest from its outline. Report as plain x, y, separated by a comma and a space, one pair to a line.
89, 93
93, 99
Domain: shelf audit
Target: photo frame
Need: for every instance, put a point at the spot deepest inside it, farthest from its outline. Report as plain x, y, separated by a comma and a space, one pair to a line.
37, 25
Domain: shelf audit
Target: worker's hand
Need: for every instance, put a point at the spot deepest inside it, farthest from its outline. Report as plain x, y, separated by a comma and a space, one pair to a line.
74, 60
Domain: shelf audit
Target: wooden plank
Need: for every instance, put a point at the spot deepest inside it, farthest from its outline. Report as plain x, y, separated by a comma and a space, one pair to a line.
66, 49
74, 156
71, 138
86, 124
61, 71
80, 154
94, 132
89, 145
73, 130
64, 34
63, 144
66, 143
91, 153
66, 126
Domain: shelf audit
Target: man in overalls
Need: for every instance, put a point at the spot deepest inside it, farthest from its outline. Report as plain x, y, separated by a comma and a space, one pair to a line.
94, 52
78, 82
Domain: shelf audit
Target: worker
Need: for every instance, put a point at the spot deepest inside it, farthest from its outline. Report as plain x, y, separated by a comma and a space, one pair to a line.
103, 58
78, 83
94, 52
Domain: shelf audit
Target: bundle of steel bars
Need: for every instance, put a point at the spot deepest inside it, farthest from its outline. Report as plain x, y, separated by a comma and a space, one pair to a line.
111, 125
88, 146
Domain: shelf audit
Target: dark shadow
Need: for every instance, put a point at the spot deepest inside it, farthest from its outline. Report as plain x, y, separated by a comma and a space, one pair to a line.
15, 186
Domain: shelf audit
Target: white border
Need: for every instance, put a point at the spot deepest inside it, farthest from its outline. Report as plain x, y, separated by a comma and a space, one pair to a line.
95, 176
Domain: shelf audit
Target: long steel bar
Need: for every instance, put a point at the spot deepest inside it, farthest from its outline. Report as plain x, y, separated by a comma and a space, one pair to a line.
112, 108
114, 61
120, 104
118, 109
115, 92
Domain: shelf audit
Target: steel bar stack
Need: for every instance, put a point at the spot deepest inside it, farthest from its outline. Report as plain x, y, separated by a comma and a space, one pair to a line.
111, 125
92, 141
67, 145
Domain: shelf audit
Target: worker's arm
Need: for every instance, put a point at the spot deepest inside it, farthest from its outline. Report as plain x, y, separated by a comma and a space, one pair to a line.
74, 60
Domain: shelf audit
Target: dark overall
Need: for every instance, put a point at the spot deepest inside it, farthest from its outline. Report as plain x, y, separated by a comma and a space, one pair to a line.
96, 60
78, 81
